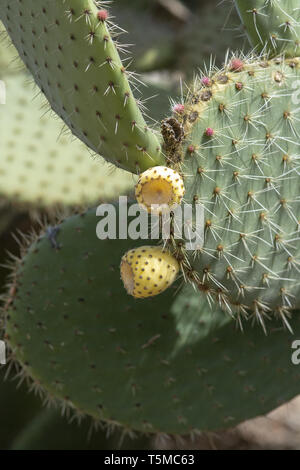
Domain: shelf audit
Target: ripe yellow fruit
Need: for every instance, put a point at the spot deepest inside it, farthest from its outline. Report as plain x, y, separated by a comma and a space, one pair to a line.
147, 271
159, 187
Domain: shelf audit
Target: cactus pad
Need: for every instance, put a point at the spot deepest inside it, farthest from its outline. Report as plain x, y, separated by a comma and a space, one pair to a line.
69, 48
136, 363
241, 162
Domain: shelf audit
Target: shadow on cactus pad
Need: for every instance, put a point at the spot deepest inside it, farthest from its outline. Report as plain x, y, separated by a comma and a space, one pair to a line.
131, 363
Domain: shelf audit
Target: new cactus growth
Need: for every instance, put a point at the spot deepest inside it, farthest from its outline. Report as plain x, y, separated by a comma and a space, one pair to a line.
167, 364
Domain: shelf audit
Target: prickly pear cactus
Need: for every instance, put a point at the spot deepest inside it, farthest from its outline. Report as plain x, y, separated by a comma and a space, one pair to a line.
165, 365
272, 26
71, 49
141, 365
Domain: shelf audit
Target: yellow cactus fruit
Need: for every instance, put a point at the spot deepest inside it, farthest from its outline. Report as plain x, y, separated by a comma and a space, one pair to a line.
160, 187
147, 271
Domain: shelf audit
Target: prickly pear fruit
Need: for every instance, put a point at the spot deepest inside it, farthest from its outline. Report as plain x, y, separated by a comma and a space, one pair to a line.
159, 188
147, 271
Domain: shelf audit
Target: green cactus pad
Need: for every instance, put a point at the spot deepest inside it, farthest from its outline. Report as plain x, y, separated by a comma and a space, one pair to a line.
272, 26
137, 364
7, 216
241, 163
73, 58
37, 167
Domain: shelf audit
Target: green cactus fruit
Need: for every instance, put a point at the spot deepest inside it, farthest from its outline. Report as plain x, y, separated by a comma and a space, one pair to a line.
50, 431
272, 26
240, 157
137, 364
69, 48
36, 168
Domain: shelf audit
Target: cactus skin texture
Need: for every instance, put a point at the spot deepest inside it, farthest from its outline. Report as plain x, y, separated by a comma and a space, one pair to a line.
142, 365
272, 26
75, 62
246, 175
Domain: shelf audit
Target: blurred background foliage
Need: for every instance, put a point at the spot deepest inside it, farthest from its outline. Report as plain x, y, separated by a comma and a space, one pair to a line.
43, 168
